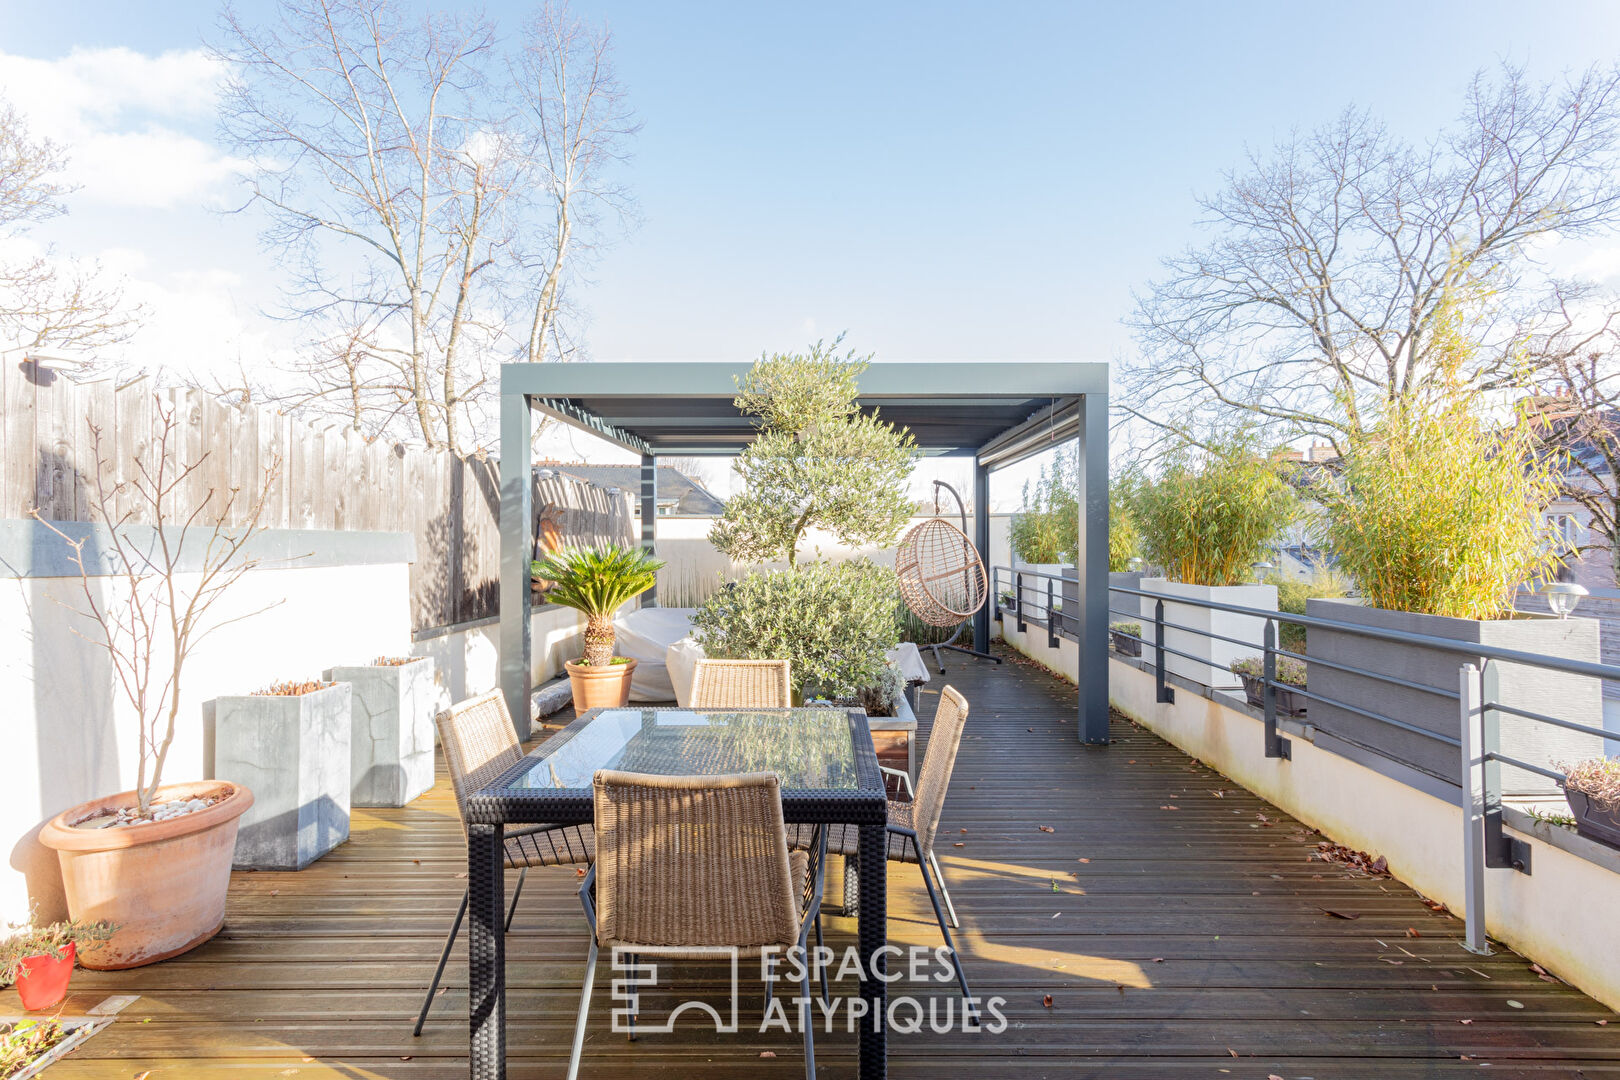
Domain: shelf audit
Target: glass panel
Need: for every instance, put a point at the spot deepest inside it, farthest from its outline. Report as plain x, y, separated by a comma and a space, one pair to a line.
806, 748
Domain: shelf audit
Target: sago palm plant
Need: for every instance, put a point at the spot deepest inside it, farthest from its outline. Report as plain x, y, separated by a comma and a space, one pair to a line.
597, 582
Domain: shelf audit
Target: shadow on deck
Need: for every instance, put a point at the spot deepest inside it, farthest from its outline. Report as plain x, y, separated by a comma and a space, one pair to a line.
1140, 915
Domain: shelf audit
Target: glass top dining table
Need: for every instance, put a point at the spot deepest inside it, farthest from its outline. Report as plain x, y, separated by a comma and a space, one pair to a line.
829, 774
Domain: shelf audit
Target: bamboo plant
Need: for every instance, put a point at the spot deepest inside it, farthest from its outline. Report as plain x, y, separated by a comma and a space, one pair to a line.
1212, 512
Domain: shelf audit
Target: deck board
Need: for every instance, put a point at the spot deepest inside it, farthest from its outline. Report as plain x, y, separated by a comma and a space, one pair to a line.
1193, 942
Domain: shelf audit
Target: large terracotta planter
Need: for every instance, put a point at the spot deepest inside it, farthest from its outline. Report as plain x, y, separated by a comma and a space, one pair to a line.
162, 882
605, 687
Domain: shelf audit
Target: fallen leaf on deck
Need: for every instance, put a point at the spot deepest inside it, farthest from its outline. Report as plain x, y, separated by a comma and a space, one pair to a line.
1169, 807
1047, 1001
1340, 914
1410, 932
767, 1053
1046, 828
959, 844
1465, 1021
1085, 860
1515, 1004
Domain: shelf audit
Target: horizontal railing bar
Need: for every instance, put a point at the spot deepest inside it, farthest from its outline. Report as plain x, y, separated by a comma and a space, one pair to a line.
1370, 674
1399, 637
1526, 766
1449, 740
1585, 729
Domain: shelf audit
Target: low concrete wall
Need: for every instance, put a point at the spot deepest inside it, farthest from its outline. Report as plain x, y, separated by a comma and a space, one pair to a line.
1561, 916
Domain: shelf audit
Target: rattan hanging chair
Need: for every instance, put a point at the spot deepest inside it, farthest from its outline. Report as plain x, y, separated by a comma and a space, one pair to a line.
941, 577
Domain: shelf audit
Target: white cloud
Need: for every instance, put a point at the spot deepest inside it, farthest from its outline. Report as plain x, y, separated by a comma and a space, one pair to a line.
137, 127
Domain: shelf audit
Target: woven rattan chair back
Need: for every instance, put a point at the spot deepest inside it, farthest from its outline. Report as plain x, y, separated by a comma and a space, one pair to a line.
742, 684
692, 861
938, 762
479, 743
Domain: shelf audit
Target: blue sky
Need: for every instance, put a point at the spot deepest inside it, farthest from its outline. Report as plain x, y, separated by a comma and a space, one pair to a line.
942, 181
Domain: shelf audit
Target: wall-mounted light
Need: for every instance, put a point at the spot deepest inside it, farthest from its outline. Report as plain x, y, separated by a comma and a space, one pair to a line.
1562, 596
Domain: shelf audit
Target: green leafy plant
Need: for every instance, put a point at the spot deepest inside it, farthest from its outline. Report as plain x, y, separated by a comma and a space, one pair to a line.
1124, 534
1292, 595
1047, 527
1211, 513
833, 621
51, 940
1131, 628
818, 461
1289, 670
24, 1042
1438, 511
1596, 778
597, 582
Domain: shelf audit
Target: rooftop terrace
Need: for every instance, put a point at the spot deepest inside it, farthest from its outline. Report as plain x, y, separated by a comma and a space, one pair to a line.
1169, 924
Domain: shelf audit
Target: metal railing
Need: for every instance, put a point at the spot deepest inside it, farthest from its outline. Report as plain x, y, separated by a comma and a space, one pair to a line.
1034, 596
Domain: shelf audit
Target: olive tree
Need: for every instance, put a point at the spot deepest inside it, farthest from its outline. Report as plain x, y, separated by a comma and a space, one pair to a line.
818, 462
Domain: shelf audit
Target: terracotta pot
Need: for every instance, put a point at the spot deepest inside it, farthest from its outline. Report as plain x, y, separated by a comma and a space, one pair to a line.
162, 882
605, 687
43, 980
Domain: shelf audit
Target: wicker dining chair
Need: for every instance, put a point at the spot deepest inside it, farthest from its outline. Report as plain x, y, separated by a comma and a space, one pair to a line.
479, 744
742, 684
913, 825
698, 868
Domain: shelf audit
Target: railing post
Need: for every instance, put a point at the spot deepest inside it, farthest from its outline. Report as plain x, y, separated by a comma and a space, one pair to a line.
1051, 619
1502, 852
1472, 715
1167, 693
1276, 745
1018, 600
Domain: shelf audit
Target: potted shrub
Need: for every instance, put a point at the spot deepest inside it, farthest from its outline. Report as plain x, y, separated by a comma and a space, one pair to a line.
290, 743
1126, 637
597, 583
154, 861
1206, 520
391, 742
1437, 518
1592, 788
1290, 672
39, 959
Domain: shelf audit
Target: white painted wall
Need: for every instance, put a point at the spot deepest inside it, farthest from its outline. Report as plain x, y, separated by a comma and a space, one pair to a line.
71, 737
467, 661
1561, 916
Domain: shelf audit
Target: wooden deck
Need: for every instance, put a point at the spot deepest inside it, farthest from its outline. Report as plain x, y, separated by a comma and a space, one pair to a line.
1142, 917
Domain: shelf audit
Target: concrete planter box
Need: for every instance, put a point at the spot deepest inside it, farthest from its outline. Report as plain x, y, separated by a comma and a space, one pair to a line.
1215, 656
1568, 697
293, 753
391, 747
895, 738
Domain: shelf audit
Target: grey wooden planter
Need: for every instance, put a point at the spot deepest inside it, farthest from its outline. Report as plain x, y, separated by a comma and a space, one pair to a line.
293, 754
391, 747
1568, 697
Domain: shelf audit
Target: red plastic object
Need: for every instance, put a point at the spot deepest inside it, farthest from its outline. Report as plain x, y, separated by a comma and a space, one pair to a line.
43, 981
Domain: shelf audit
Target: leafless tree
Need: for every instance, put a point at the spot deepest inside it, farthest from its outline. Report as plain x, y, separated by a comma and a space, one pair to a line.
429, 211
1575, 363
44, 304
577, 123
168, 577
1334, 256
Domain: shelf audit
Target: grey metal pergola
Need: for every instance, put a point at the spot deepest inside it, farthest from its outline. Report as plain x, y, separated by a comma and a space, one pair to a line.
996, 412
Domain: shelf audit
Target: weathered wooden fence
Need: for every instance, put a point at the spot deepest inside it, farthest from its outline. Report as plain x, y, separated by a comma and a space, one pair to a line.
328, 478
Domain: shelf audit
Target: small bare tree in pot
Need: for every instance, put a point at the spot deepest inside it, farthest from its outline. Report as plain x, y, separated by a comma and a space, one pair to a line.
156, 860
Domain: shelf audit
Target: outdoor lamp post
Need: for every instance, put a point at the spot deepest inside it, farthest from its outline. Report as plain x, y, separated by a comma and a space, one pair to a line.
1261, 569
1562, 596
1134, 563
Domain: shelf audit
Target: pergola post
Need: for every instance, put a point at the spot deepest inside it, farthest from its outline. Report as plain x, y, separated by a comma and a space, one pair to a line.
981, 540
516, 550
649, 518
1091, 561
